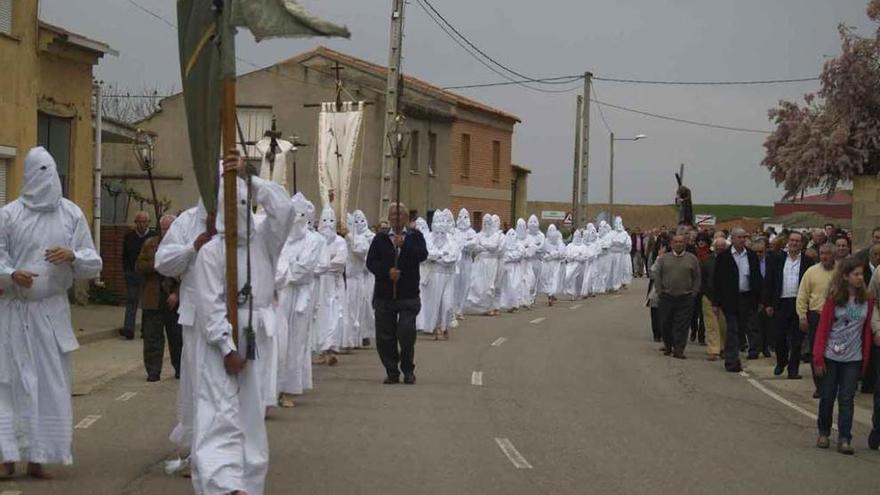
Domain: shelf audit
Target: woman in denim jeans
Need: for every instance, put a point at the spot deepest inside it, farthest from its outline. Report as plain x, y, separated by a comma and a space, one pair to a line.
841, 350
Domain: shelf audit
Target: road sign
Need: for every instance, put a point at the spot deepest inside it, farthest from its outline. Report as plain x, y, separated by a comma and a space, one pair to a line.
704, 220
552, 215
567, 220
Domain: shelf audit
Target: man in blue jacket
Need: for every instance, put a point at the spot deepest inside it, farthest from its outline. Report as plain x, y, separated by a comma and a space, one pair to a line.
396, 300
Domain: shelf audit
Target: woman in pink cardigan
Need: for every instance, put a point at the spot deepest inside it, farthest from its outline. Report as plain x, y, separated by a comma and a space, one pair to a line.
841, 350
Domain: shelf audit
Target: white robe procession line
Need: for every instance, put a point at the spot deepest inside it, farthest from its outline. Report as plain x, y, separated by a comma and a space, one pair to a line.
330, 304
466, 239
575, 257
230, 450
552, 263
526, 274
482, 291
175, 258
619, 254
438, 295
625, 245
604, 261
295, 284
424, 271
360, 323
496, 303
534, 253
36, 335
591, 260
513, 272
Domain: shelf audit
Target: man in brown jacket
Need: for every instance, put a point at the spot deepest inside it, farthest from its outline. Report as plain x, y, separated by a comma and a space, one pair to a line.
159, 298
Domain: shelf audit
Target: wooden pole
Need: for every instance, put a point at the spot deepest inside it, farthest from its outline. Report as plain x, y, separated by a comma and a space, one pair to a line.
230, 207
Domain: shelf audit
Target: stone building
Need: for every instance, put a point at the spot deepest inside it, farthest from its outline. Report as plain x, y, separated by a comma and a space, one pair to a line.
46, 99
460, 154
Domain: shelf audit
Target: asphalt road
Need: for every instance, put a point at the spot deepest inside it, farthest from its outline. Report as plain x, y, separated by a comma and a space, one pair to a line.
571, 399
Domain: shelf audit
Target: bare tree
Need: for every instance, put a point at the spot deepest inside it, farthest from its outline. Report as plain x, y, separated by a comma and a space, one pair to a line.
131, 106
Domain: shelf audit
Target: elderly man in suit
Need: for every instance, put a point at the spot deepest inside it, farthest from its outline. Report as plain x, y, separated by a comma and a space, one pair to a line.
784, 273
737, 290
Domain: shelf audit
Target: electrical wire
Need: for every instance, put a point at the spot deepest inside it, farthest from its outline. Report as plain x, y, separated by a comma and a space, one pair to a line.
708, 83
445, 29
678, 119
599, 106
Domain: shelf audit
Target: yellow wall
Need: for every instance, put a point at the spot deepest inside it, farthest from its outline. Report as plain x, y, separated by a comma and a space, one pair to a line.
54, 79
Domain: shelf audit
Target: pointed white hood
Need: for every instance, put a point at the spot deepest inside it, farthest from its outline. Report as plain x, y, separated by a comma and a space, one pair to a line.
41, 190
521, 229
301, 216
241, 209
554, 237
464, 220
534, 225
327, 225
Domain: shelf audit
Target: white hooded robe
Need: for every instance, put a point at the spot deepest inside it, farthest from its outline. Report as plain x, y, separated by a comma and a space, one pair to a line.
36, 335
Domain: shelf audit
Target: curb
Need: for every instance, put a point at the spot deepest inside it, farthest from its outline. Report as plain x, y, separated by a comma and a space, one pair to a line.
90, 337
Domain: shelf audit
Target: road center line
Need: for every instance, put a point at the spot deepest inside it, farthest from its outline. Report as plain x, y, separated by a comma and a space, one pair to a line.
477, 378
782, 400
537, 320
512, 454
126, 396
499, 341
87, 421
576, 306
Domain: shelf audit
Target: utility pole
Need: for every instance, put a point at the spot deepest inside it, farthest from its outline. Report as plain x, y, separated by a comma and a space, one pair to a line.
611, 180
576, 170
585, 148
392, 103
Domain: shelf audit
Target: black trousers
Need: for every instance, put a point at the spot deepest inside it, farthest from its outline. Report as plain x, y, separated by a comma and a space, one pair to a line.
813, 322
741, 321
396, 333
698, 326
766, 336
158, 324
656, 327
675, 318
788, 336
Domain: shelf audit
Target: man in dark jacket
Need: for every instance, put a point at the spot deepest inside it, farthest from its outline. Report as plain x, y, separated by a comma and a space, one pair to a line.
131, 249
396, 299
737, 290
784, 273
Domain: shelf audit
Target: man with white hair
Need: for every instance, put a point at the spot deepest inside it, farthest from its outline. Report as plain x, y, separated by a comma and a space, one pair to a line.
45, 244
394, 260
131, 249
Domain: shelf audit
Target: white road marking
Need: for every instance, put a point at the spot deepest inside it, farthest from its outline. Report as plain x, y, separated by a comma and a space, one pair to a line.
576, 306
477, 378
743, 374
510, 451
10, 492
537, 320
126, 396
499, 341
782, 400
87, 421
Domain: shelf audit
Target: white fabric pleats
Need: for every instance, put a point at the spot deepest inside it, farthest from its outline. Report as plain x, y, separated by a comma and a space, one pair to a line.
339, 136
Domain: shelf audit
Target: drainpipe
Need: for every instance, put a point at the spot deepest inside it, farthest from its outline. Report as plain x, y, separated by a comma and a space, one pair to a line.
99, 129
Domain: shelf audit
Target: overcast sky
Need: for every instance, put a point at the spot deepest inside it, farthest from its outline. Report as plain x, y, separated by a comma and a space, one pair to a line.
641, 39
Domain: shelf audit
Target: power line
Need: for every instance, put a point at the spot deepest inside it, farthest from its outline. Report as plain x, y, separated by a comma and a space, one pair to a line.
708, 83
438, 18
152, 14
599, 106
448, 29
679, 120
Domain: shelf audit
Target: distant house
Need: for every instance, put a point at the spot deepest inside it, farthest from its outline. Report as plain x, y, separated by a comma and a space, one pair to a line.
46, 100
836, 206
460, 154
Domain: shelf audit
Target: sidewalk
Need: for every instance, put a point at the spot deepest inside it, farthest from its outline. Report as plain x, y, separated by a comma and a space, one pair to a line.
103, 355
94, 322
800, 392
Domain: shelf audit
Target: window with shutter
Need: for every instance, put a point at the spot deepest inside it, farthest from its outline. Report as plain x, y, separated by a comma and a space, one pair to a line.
4, 167
6, 16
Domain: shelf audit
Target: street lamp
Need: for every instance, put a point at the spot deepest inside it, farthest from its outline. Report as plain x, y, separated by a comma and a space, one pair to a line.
144, 151
637, 137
